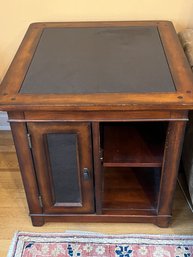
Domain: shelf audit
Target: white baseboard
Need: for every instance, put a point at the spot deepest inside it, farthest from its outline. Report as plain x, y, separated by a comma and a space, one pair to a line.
184, 187
4, 125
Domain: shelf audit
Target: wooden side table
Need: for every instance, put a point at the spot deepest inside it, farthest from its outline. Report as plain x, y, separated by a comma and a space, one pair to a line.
98, 112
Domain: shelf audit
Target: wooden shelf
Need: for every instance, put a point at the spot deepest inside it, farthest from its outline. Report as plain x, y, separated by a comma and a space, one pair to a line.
133, 144
130, 189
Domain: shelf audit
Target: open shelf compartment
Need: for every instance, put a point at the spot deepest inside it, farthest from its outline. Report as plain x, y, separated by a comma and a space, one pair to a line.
127, 189
133, 144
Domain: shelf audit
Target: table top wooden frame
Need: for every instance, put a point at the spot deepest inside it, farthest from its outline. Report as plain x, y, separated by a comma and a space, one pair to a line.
181, 73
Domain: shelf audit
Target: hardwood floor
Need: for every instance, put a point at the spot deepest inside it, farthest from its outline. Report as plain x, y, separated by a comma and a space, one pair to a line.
14, 210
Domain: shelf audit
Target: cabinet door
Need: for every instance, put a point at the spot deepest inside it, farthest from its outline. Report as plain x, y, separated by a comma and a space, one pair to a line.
63, 162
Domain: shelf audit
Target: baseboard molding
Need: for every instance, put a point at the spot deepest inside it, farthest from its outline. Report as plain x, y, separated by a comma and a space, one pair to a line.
4, 125
184, 187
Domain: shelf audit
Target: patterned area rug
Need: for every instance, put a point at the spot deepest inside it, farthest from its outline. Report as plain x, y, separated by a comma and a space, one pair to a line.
87, 244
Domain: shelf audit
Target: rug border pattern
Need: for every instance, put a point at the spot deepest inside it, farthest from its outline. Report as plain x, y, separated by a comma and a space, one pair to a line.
20, 238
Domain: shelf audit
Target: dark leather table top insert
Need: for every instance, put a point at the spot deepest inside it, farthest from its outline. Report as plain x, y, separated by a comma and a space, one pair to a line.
98, 60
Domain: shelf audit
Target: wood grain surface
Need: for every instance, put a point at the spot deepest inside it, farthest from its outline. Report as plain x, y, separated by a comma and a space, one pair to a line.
11, 99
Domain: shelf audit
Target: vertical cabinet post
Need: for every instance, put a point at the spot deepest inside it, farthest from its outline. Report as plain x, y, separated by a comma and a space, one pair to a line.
25, 160
171, 161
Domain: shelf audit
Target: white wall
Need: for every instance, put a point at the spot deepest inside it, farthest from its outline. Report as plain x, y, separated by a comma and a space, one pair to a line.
4, 125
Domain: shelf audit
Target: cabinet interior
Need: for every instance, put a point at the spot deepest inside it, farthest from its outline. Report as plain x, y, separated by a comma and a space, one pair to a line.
132, 155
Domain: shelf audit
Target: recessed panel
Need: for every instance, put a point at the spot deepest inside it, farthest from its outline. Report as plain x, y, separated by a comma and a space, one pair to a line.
63, 159
98, 60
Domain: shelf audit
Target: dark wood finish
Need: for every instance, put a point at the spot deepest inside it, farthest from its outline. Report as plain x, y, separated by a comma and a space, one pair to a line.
102, 102
39, 149
104, 116
159, 220
114, 194
180, 65
37, 221
25, 160
128, 189
181, 99
172, 155
132, 144
97, 166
